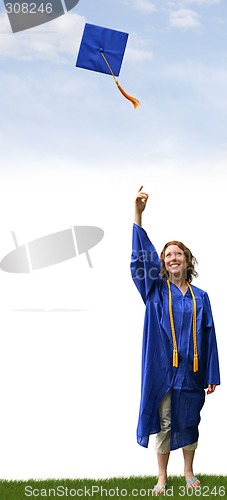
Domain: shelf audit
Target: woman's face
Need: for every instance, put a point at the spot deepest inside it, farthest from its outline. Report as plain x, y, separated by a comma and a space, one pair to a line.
175, 261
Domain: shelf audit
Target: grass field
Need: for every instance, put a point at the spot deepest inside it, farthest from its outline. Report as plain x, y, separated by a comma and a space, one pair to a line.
132, 487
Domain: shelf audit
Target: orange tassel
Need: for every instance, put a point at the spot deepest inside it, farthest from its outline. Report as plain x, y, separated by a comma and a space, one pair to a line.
134, 101
195, 363
175, 358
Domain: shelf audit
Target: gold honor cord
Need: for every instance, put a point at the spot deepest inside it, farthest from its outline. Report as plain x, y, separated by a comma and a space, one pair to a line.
134, 101
195, 359
175, 350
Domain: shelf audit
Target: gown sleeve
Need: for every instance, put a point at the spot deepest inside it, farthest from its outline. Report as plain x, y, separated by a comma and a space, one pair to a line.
212, 362
145, 262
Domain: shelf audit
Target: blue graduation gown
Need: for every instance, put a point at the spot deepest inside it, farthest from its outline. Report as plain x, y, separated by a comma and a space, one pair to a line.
158, 374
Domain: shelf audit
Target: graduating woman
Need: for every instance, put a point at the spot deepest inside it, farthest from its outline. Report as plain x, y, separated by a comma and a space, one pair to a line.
179, 354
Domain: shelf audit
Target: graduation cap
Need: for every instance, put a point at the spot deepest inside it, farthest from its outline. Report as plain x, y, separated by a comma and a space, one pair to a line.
102, 49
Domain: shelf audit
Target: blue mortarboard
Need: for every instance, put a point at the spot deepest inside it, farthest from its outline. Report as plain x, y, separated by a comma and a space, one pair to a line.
102, 50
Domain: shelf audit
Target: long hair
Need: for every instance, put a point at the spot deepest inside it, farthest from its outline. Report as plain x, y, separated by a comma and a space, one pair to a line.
190, 271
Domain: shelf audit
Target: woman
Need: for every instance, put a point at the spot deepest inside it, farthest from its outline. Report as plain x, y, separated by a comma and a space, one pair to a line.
179, 358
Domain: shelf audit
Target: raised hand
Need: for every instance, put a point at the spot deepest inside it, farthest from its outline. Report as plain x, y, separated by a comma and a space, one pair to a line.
140, 204
141, 200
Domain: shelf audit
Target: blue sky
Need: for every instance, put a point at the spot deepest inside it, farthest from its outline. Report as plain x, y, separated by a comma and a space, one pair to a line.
74, 152
174, 64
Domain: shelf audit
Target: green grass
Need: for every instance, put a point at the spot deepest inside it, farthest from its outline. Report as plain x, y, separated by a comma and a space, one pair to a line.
132, 487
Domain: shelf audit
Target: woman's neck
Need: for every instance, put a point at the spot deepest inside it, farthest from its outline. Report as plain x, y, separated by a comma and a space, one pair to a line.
180, 282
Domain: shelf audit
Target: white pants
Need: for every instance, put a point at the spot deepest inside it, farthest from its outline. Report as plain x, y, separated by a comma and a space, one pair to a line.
162, 440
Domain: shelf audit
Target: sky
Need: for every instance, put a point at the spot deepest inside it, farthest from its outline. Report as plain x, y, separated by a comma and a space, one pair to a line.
74, 152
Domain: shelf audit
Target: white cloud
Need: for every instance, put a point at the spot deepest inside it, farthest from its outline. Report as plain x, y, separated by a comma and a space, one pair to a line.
56, 41
142, 5
184, 18
137, 55
137, 50
202, 2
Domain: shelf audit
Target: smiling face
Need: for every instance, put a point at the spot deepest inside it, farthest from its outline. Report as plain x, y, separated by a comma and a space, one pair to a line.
175, 261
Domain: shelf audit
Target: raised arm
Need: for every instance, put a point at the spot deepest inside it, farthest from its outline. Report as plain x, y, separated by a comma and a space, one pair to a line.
145, 263
140, 205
